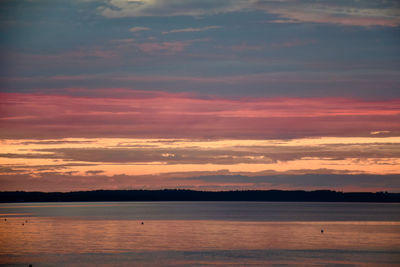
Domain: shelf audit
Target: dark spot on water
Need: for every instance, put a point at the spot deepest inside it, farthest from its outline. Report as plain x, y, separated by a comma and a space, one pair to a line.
322, 231
142, 222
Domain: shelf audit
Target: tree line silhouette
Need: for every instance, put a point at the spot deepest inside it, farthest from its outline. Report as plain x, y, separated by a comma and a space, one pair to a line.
192, 195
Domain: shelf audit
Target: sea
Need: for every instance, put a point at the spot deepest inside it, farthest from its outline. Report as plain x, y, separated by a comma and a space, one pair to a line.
199, 234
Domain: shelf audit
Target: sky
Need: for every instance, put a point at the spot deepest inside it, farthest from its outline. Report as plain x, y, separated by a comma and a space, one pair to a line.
200, 94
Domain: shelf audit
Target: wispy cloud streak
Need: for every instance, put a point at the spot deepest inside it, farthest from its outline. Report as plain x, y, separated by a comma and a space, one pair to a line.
139, 29
202, 29
354, 13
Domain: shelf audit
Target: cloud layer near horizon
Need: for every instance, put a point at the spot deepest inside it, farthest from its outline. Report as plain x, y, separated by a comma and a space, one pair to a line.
213, 181
217, 164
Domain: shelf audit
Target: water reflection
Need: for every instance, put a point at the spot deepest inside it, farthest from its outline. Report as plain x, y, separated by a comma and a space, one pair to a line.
60, 235
199, 233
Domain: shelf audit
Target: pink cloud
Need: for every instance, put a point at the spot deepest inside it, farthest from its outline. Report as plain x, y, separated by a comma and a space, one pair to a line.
162, 114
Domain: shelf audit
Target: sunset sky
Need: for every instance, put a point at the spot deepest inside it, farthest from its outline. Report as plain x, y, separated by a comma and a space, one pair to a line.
199, 94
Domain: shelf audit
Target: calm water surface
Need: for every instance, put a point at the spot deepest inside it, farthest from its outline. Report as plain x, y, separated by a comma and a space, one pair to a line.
199, 234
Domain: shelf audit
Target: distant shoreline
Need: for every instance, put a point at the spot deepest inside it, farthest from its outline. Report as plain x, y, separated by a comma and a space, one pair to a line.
191, 195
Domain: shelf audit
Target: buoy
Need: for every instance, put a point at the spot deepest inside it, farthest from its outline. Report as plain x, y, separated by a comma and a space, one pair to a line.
142, 222
322, 231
